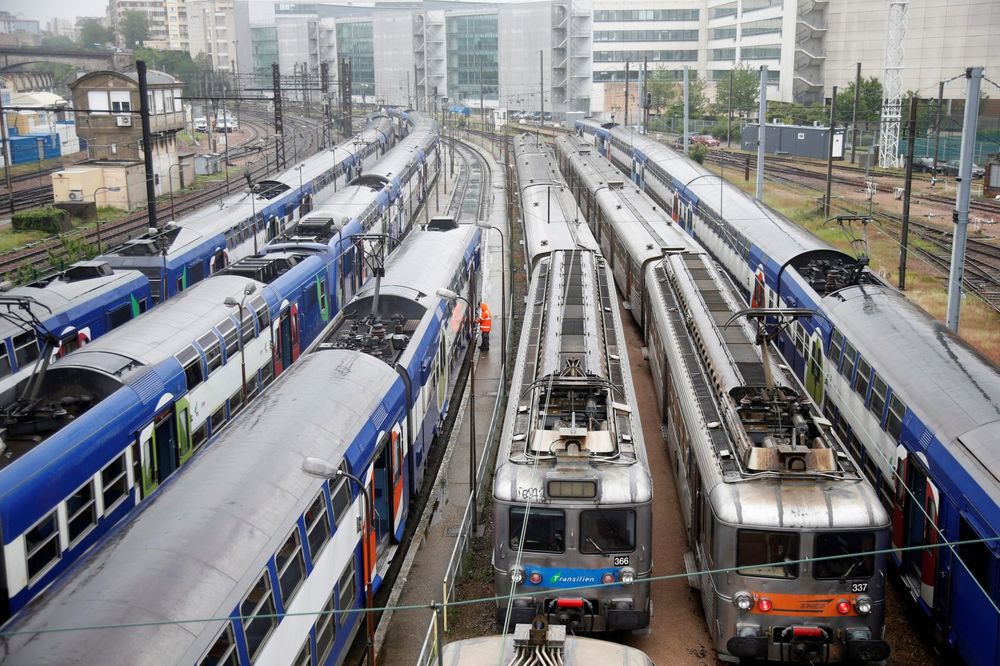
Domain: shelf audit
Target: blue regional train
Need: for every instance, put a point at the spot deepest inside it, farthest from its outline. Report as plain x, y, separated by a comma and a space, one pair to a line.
184, 252
113, 420
244, 533
919, 407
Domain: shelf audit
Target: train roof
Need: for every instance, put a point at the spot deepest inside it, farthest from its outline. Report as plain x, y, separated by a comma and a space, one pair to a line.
761, 225
551, 218
197, 546
577, 651
54, 297
954, 389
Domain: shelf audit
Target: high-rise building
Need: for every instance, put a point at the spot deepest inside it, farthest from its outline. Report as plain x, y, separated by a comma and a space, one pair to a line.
156, 15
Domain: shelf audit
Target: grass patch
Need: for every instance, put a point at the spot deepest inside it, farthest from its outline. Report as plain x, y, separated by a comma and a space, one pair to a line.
11, 240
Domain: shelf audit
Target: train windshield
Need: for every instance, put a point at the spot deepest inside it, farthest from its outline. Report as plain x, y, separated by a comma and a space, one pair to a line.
856, 548
607, 531
545, 532
767, 554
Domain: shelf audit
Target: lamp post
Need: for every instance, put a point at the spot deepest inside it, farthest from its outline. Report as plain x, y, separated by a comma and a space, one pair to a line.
233, 303
449, 295
324, 470
97, 216
170, 183
252, 192
503, 292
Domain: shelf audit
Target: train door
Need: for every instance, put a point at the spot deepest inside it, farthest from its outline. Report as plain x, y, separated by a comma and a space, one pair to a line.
283, 348
974, 582
158, 450
183, 412
382, 480
921, 518
814, 368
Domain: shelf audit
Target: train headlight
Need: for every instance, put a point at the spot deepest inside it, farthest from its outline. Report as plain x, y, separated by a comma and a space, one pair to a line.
863, 605
743, 601
628, 576
843, 607
516, 575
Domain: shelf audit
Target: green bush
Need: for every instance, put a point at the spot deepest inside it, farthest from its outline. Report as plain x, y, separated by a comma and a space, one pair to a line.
45, 219
698, 152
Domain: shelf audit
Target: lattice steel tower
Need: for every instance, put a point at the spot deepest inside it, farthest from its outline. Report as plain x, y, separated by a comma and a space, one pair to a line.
892, 86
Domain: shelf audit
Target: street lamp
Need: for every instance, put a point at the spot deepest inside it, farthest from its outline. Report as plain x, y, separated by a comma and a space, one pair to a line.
503, 292
170, 182
449, 295
233, 303
324, 470
97, 216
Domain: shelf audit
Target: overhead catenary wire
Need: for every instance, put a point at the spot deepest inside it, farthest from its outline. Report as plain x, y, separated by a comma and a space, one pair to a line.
477, 600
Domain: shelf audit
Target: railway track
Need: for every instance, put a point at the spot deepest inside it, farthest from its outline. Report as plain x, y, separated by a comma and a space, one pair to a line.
37, 255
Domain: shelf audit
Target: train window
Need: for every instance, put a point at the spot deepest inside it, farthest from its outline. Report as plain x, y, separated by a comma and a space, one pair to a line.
894, 422
340, 496
223, 650
545, 531
218, 418
114, 482
258, 613
304, 657
862, 379
119, 315
81, 509
246, 326
605, 531
347, 589
767, 554
260, 307
977, 557
326, 631
25, 348
191, 362
143, 305
877, 404
227, 329
836, 346
195, 272
4, 360
198, 436
850, 356
236, 402
213, 355
855, 547
42, 544
267, 374
291, 565
317, 527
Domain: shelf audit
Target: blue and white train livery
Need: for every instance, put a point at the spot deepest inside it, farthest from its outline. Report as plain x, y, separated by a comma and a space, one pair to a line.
244, 533
919, 407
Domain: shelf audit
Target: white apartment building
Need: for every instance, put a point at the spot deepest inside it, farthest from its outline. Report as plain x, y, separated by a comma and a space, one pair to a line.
156, 13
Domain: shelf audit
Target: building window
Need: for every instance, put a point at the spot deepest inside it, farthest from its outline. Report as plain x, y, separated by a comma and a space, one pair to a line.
722, 11
771, 52
765, 27
722, 54
622, 15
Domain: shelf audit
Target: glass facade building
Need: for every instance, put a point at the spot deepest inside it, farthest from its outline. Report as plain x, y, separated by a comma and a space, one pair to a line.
356, 40
472, 49
263, 52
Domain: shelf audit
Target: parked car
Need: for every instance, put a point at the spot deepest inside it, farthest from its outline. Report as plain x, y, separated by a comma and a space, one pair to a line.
201, 124
950, 168
706, 139
925, 165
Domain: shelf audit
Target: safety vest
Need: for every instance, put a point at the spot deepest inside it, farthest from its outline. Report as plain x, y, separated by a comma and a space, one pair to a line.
485, 320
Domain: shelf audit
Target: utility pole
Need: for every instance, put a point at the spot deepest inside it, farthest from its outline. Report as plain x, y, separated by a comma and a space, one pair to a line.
482, 109
626, 91
829, 155
279, 128
147, 150
892, 85
961, 215
324, 84
729, 127
644, 95
346, 93
541, 84
854, 116
937, 131
761, 133
904, 236
687, 138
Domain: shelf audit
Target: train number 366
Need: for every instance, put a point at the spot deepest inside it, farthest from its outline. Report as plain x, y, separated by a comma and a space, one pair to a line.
859, 587
621, 561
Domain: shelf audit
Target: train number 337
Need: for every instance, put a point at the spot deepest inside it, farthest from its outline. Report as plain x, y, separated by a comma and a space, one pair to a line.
859, 587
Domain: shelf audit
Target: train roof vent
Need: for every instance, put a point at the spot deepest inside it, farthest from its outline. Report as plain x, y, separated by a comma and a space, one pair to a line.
616, 184
139, 247
442, 223
87, 270
268, 189
264, 269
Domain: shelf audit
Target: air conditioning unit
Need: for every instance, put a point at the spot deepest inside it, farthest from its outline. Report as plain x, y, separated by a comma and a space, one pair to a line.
123, 121
76, 195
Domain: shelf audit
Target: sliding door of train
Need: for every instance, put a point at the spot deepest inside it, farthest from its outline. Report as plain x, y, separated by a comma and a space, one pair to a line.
388, 489
975, 588
916, 510
287, 343
161, 443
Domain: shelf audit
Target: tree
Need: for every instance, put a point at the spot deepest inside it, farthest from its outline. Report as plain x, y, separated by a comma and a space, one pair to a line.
869, 103
175, 63
697, 100
667, 93
662, 88
58, 42
94, 35
134, 28
746, 91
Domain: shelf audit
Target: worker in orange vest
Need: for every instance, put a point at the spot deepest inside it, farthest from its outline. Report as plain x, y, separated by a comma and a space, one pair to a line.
485, 326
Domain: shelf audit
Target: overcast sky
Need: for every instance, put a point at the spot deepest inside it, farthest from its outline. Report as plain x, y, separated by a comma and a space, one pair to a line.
44, 10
